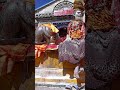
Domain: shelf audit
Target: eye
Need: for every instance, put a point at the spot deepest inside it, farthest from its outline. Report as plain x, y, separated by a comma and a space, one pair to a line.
79, 12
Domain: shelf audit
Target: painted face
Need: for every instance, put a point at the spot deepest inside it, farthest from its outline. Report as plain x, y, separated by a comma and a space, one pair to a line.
78, 13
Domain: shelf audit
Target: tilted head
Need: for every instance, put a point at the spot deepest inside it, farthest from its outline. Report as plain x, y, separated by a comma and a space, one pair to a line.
78, 9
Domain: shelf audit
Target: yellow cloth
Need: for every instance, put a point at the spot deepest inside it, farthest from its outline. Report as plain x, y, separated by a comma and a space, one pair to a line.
52, 27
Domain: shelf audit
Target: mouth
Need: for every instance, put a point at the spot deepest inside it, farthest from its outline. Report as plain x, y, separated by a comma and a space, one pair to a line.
79, 15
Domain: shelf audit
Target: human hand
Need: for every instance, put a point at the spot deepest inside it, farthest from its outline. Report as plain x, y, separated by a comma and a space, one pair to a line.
76, 72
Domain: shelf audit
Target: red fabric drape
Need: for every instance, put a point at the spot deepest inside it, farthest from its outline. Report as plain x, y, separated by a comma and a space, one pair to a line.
14, 53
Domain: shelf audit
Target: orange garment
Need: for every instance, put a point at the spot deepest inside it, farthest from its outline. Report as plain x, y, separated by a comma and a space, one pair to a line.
39, 49
76, 29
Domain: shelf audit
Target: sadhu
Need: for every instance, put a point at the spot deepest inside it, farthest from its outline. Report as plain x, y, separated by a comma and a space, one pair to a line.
46, 36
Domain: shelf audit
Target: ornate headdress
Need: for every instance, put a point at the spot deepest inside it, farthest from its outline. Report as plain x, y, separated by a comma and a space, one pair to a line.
79, 4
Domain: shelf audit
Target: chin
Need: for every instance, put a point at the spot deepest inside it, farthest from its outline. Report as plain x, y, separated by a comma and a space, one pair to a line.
78, 18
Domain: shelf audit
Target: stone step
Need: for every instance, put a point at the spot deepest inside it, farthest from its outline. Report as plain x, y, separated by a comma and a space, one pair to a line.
44, 72
55, 79
49, 88
53, 86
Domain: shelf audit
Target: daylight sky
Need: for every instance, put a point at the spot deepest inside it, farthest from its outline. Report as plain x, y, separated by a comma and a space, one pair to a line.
39, 3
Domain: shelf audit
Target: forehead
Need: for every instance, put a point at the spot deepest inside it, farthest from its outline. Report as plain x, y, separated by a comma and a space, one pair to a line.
78, 10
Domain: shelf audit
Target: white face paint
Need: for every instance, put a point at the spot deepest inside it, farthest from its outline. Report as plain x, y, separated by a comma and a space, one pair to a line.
78, 14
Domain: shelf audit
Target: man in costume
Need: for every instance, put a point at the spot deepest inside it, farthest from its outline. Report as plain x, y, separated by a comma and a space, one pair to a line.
73, 48
45, 38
